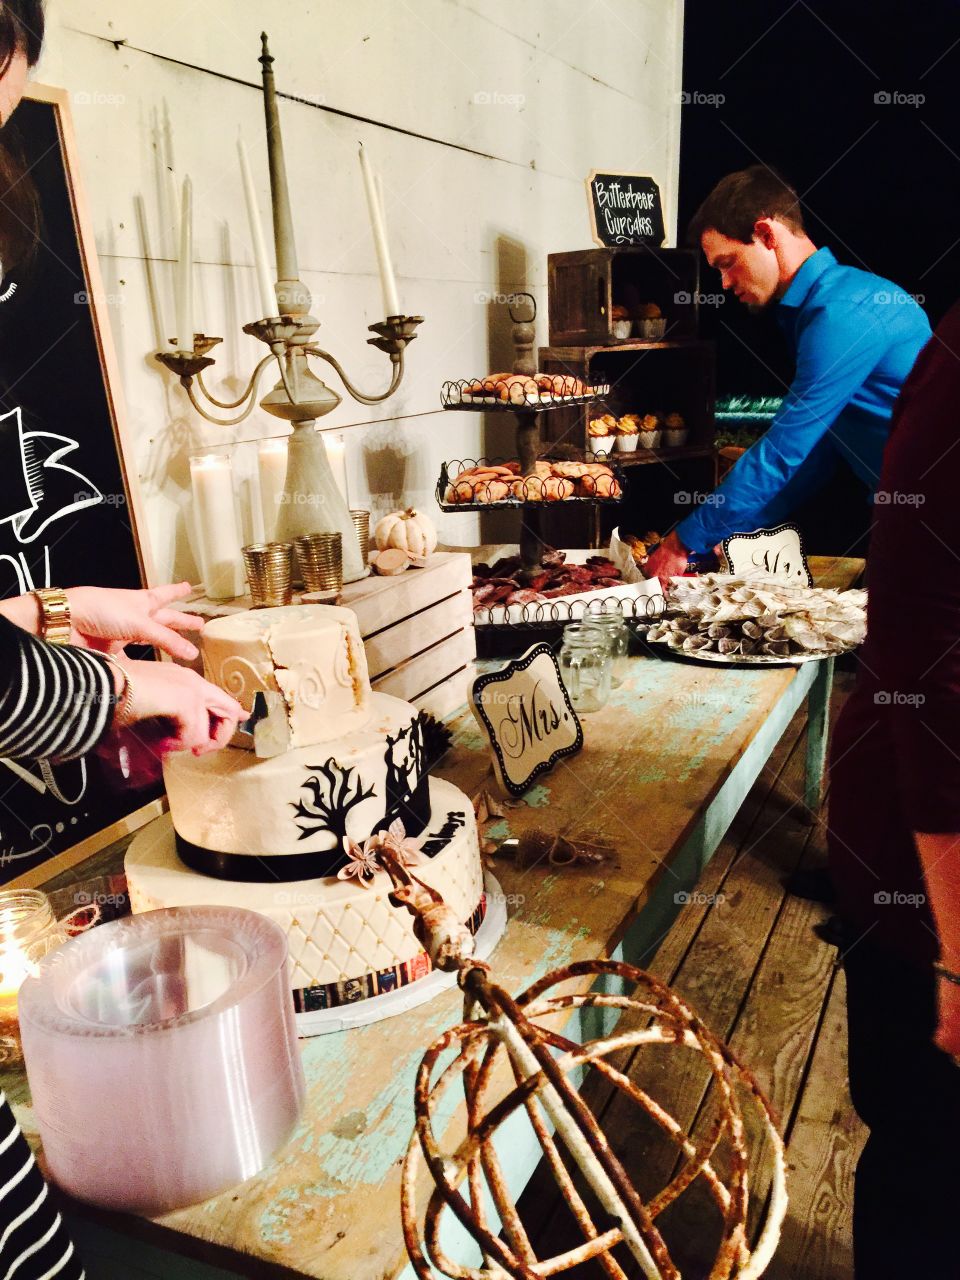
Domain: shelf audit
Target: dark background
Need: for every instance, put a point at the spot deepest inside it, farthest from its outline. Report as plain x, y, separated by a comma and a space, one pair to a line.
879, 183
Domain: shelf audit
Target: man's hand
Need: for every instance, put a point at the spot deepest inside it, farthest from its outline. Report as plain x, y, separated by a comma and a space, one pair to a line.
109, 618
668, 561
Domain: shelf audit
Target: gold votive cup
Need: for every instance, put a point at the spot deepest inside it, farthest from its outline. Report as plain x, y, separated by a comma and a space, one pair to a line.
361, 522
269, 573
320, 556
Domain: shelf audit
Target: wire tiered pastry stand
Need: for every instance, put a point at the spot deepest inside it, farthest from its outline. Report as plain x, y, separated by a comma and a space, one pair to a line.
535, 487
528, 406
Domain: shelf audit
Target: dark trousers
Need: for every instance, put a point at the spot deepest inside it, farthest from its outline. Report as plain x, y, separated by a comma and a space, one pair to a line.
906, 1213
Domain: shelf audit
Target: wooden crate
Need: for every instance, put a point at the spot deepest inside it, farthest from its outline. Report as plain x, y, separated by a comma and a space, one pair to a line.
584, 286
417, 630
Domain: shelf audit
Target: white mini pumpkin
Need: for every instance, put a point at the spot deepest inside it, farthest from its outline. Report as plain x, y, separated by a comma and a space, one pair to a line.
409, 531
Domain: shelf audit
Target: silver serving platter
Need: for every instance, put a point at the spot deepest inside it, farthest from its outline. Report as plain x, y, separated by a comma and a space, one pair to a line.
751, 659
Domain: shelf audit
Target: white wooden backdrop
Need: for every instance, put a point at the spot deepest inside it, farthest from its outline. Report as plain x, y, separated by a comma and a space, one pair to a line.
483, 118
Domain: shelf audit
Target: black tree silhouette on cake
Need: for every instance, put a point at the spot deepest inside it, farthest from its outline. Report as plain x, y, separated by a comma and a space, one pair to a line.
332, 795
404, 768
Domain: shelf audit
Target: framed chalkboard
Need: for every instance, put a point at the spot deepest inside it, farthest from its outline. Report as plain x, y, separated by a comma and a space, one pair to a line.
69, 510
625, 208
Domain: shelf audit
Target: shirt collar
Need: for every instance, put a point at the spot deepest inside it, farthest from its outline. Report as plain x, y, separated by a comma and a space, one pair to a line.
798, 290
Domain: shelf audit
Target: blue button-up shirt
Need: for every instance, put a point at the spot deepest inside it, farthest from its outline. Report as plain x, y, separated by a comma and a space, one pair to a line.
855, 337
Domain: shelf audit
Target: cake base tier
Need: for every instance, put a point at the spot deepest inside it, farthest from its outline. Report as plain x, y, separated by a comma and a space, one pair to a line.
348, 942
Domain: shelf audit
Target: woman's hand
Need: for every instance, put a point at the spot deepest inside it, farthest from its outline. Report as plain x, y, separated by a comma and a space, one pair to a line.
191, 714
109, 618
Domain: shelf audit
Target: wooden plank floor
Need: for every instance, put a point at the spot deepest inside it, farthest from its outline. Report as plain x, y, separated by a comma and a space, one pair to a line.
743, 952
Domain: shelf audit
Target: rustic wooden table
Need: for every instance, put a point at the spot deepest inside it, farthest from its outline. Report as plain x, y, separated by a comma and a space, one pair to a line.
664, 768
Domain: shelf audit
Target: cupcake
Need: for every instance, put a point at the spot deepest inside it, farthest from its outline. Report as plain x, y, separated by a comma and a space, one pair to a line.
600, 432
675, 431
649, 431
650, 322
628, 432
621, 325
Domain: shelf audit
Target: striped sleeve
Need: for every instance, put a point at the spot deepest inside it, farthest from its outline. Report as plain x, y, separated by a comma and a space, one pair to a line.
34, 1243
56, 702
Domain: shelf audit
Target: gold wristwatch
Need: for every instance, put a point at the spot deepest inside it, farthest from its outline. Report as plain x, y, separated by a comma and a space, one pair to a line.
54, 614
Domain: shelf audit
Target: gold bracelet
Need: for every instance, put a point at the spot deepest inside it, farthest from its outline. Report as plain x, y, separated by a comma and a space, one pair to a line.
124, 699
54, 614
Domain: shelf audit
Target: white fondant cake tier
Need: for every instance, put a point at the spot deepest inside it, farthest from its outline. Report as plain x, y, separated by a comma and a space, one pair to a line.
301, 803
347, 940
312, 654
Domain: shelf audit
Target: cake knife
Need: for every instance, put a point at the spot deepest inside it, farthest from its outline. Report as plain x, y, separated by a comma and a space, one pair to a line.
266, 729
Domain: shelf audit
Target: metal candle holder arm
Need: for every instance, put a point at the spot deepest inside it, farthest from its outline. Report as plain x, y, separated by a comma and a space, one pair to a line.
285, 336
493, 1020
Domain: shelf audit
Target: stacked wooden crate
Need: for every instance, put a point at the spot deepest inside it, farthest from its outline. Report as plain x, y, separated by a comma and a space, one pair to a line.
418, 632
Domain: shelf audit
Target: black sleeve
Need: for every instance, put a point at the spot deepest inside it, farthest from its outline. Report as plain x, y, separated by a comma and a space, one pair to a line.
33, 1238
56, 702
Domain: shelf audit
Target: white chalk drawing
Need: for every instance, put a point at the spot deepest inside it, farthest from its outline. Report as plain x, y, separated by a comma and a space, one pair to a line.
36, 490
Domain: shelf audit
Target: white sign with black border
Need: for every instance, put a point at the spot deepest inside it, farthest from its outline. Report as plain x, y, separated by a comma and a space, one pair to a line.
777, 553
526, 712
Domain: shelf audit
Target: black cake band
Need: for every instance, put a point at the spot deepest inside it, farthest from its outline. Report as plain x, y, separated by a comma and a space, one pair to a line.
269, 868
331, 995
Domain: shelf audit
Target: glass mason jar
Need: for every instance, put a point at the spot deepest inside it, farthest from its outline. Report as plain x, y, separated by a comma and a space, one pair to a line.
586, 667
28, 931
617, 635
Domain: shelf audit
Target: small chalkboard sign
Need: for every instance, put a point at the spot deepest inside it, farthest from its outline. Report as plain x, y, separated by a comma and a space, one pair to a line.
625, 208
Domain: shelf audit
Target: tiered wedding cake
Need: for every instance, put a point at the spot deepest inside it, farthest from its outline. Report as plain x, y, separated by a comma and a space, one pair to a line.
294, 836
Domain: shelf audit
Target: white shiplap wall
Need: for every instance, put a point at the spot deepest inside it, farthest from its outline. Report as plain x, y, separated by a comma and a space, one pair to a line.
483, 118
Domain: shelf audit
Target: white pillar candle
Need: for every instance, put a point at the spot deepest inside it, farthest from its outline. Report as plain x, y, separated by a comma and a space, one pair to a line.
218, 528
185, 329
337, 454
272, 466
387, 279
265, 284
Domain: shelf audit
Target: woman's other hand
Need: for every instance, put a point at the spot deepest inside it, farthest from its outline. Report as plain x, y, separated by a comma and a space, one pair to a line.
109, 618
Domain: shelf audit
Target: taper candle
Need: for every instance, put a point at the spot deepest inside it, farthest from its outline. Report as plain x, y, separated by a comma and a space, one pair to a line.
185, 329
218, 526
265, 282
172, 199
387, 279
272, 466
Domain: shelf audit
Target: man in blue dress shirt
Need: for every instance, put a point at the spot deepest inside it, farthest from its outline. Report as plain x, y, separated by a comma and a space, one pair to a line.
855, 337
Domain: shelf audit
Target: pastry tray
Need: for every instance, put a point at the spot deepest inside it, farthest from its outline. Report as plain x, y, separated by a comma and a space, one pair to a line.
747, 659
454, 395
539, 504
